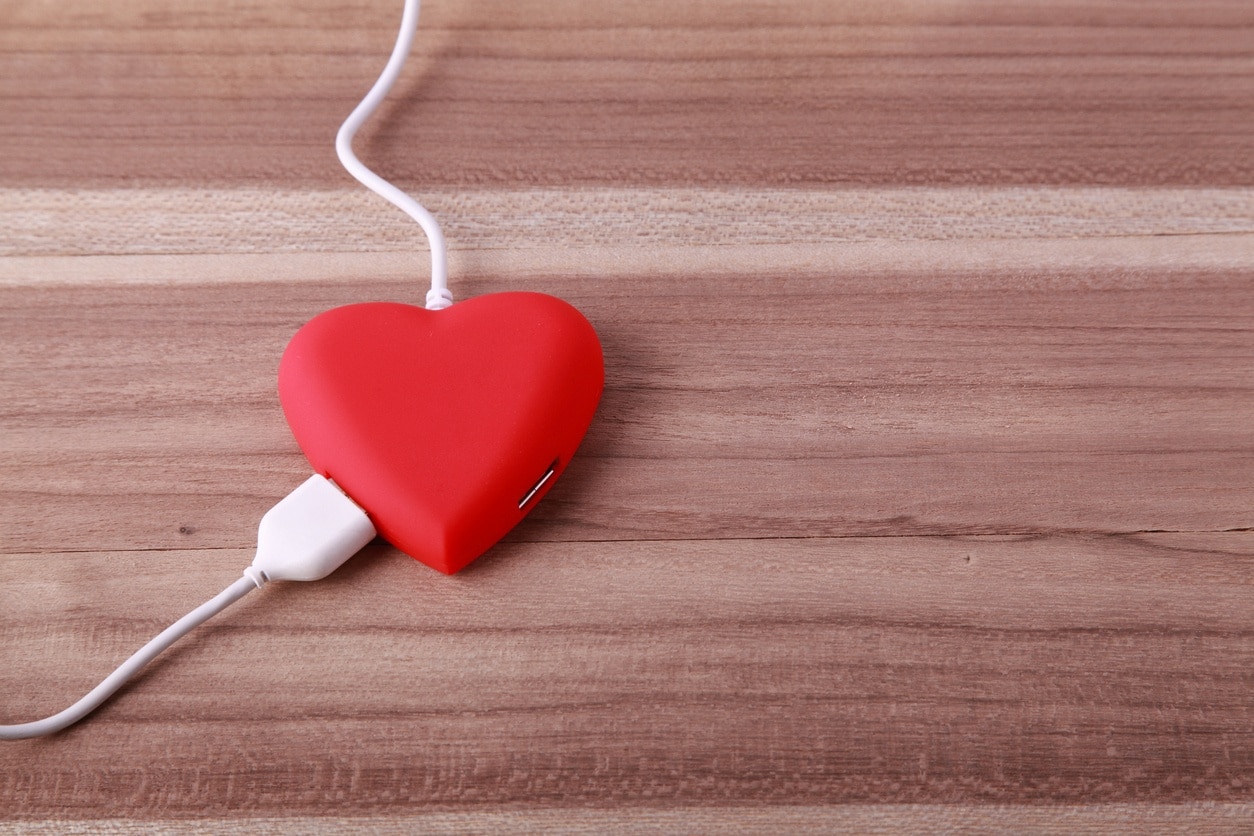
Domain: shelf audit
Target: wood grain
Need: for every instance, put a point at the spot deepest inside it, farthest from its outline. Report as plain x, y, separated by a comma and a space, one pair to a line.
656, 229
805, 407
919, 498
557, 93
928, 669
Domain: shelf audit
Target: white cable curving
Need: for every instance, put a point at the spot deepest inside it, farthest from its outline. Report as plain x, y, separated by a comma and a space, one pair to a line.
131, 666
305, 537
439, 296
316, 527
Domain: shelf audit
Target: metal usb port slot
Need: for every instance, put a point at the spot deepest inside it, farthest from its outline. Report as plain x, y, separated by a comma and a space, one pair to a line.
535, 489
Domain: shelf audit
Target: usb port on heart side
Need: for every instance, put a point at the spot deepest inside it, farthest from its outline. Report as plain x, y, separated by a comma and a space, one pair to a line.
535, 489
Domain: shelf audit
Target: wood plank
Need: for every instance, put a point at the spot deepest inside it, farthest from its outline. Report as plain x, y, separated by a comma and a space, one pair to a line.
907, 92
1207, 817
796, 671
802, 407
641, 229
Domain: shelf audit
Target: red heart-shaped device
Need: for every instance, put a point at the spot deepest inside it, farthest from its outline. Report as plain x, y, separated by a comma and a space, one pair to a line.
445, 426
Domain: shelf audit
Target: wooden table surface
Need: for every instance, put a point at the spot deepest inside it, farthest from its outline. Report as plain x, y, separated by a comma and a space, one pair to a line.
921, 495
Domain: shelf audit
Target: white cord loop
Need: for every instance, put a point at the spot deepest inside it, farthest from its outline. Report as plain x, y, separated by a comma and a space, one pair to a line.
439, 296
438, 300
257, 576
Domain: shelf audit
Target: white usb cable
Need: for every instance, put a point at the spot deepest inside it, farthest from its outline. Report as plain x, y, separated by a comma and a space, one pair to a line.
438, 296
306, 537
316, 527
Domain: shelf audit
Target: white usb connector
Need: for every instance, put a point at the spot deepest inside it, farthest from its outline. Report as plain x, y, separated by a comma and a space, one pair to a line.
306, 537
309, 534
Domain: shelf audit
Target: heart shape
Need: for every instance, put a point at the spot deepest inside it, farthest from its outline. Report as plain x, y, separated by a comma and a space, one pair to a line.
445, 426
